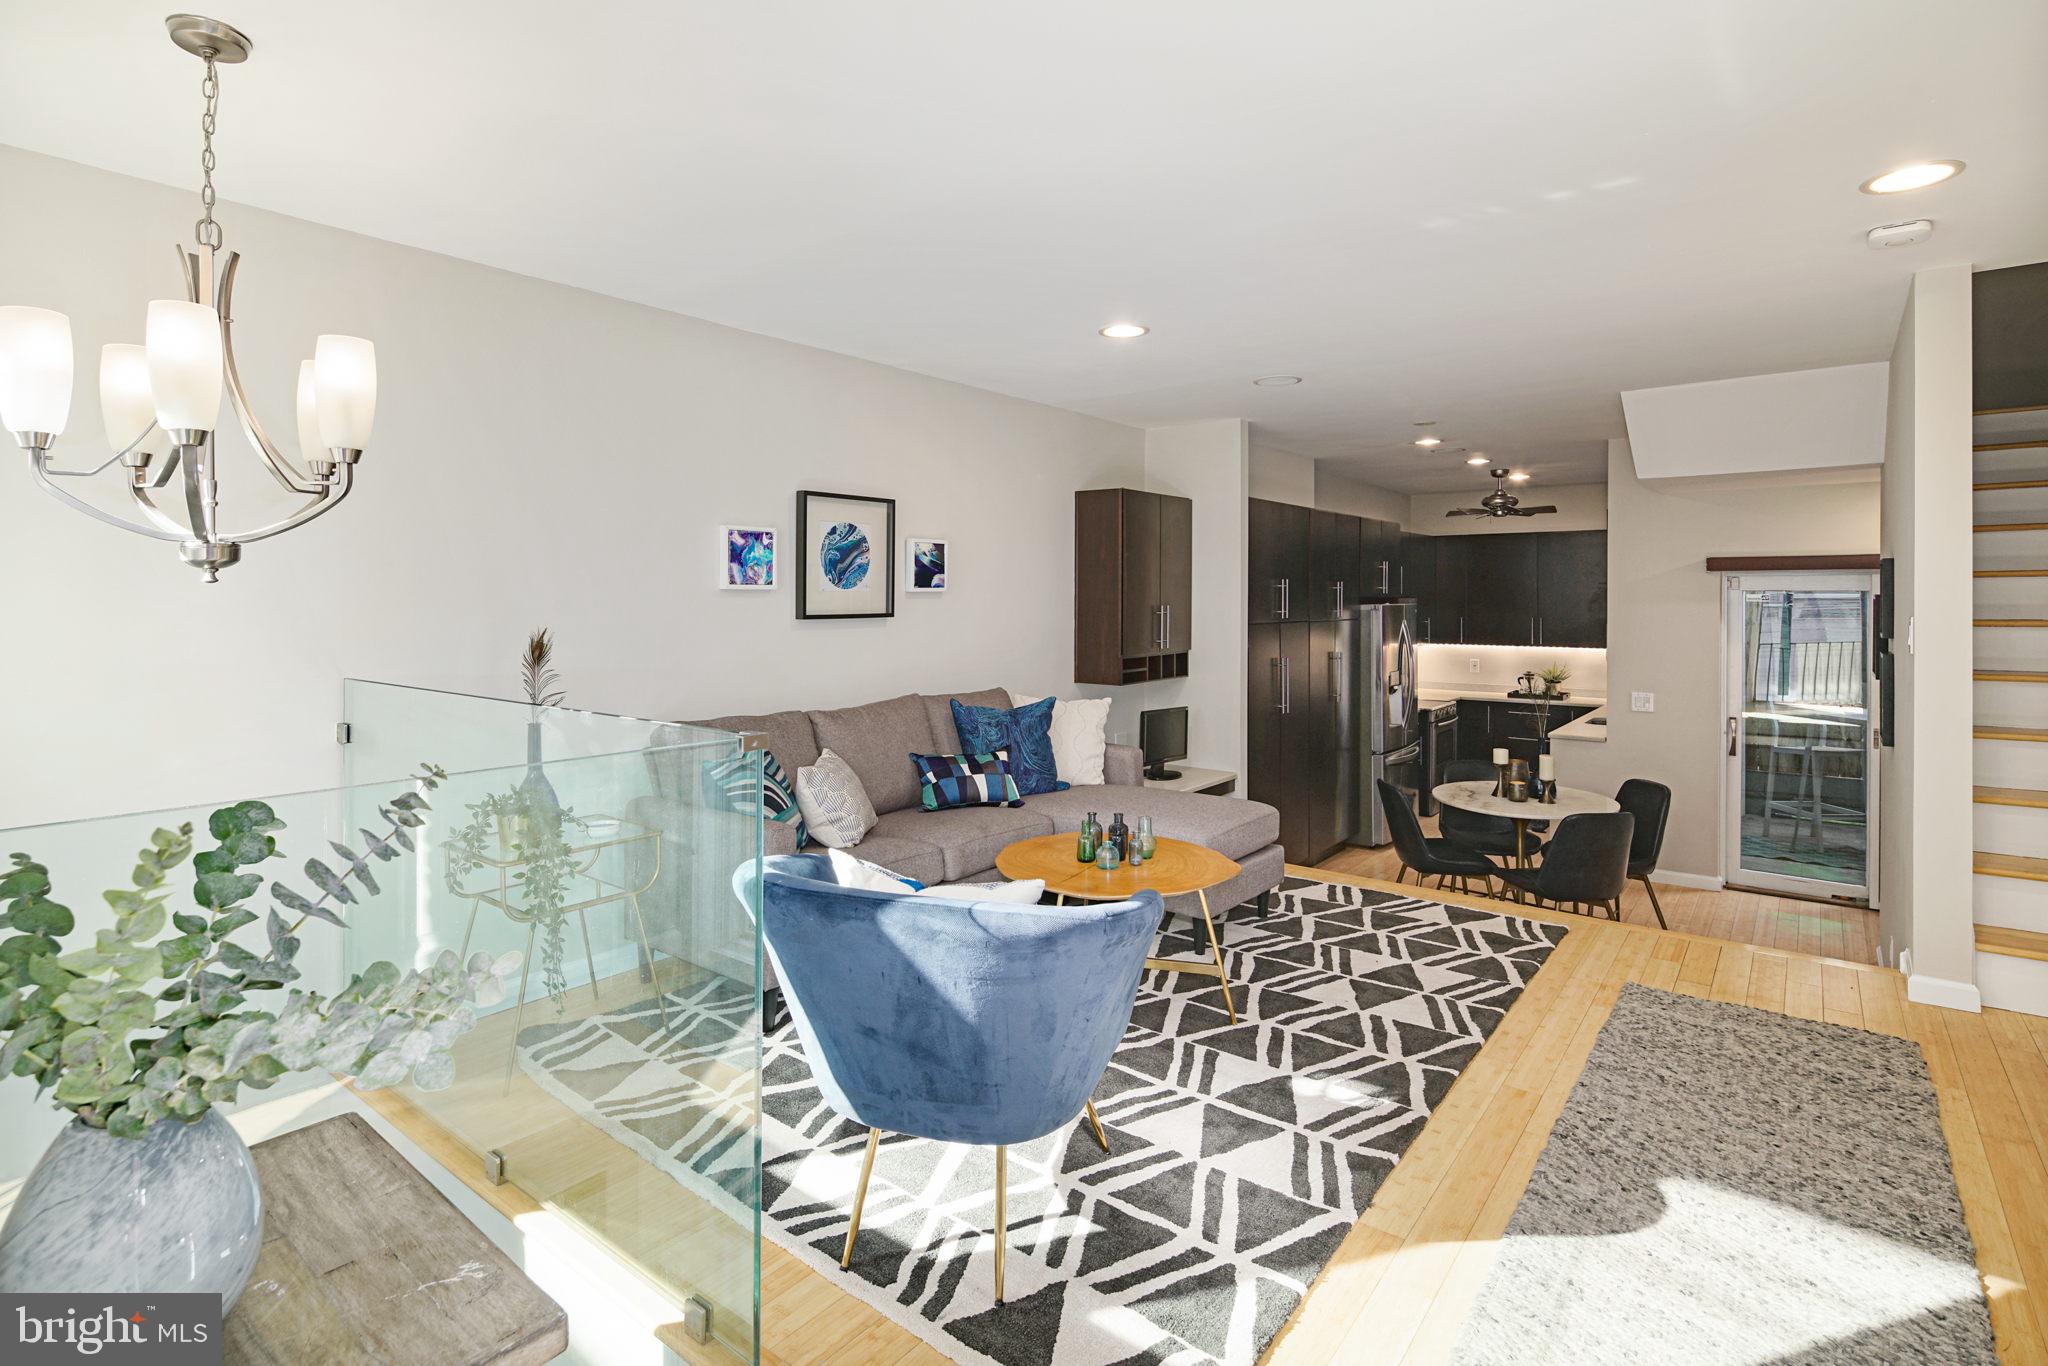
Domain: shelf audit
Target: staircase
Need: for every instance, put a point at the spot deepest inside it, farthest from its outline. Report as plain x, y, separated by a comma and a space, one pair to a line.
2010, 895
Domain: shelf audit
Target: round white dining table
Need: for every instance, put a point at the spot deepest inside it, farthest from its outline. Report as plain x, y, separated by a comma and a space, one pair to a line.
1478, 797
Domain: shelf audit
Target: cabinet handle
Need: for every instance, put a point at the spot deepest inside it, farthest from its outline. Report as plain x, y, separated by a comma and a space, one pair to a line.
1386, 578
1279, 598
1287, 597
1532, 630
1167, 641
1539, 628
1337, 589
1286, 687
1280, 685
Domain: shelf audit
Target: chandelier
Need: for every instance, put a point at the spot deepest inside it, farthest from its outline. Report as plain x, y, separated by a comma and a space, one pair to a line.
161, 400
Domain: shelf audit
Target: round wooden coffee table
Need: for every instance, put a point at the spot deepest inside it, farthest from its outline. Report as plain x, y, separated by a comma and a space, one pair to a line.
1177, 869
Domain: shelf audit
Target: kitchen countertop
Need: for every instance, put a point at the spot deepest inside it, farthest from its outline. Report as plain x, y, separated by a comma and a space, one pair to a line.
1426, 693
1585, 728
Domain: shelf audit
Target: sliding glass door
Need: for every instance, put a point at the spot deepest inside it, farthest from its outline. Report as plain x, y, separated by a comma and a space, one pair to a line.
1800, 765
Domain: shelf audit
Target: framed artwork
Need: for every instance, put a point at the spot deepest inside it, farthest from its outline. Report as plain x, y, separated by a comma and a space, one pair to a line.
746, 557
846, 569
924, 559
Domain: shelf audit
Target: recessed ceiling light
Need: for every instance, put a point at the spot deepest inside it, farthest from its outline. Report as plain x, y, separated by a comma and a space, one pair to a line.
1124, 331
1519, 477
1276, 381
1429, 441
1475, 459
1918, 176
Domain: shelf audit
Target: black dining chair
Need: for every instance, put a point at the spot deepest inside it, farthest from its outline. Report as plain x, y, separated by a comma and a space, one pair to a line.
1438, 858
1585, 864
1482, 834
1650, 804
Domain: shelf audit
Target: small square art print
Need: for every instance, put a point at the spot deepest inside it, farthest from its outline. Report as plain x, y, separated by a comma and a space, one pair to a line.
746, 557
926, 557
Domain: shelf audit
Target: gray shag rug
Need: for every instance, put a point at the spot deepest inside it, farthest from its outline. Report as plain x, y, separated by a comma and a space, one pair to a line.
1733, 1187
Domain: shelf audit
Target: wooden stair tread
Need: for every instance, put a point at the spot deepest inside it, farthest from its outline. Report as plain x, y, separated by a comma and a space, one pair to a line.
2009, 446
2011, 796
1992, 486
2010, 526
2010, 865
2023, 408
2010, 573
1986, 622
2029, 733
2013, 943
2009, 676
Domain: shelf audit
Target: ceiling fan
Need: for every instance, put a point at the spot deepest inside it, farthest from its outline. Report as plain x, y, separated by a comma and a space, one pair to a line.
1500, 503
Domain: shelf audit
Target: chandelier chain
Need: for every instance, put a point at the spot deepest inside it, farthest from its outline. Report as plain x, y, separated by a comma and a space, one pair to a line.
207, 230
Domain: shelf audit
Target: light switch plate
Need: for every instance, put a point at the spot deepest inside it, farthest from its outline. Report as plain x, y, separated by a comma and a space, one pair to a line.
1471, 666
1642, 701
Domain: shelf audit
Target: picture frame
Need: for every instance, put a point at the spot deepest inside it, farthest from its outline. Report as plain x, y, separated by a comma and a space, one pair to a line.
925, 564
844, 569
749, 558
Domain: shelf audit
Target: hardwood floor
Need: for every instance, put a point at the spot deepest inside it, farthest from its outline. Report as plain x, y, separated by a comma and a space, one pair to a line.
1771, 922
1403, 1282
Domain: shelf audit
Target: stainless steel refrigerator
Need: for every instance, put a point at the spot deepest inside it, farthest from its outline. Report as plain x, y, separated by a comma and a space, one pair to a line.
1384, 723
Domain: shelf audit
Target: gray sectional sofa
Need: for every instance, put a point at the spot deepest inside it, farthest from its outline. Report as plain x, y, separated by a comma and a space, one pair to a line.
961, 844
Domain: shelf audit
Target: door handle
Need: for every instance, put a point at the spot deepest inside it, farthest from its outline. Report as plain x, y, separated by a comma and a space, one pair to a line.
1734, 735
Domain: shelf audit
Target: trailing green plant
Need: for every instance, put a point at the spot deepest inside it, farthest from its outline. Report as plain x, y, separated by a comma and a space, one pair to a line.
93, 1026
527, 829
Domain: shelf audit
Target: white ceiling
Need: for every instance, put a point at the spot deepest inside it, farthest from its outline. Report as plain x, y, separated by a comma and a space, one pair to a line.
1497, 215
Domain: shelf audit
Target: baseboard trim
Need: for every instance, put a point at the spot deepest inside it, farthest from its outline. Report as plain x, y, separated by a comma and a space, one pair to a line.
1944, 992
1702, 881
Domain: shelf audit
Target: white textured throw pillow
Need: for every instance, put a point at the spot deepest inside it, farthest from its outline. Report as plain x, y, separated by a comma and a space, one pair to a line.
837, 812
849, 871
1079, 737
1025, 893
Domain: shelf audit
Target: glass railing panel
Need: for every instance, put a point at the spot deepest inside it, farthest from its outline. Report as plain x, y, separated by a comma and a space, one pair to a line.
619, 1084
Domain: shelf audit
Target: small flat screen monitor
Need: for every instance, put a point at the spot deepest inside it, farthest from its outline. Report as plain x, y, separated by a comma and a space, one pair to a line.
1163, 735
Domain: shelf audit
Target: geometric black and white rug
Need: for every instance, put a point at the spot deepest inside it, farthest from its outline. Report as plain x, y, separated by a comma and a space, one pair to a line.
1240, 1155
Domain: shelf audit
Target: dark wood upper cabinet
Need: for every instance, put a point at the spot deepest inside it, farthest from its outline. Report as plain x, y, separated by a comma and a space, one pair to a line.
1515, 588
1416, 577
1333, 566
1133, 585
1500, 596
1379, 559
1279, 559
1571, 589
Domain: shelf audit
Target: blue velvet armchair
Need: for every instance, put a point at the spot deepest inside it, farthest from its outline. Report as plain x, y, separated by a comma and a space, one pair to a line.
964, 1022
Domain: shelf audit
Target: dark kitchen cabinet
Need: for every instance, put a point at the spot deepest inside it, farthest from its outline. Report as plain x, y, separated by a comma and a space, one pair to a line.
1133, 585
1416, 578
1333, 566
1281, 738
1380, 559
1279, 562
1500, 592
1510, 724
1517, 588
1571, 589
1331, 763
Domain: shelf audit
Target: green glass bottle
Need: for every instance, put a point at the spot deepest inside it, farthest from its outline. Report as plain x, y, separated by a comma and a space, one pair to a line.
1091, 833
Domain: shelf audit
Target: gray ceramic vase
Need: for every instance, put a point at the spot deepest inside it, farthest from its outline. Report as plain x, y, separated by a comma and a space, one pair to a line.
178, 1209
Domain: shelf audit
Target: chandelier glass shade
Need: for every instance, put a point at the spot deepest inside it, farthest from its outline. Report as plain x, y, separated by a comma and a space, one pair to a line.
161, 401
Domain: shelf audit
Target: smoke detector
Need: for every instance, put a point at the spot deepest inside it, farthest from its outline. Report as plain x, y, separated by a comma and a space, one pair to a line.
1901, 234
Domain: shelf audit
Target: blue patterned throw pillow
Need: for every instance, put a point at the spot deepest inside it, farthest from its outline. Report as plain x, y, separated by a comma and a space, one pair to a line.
730, 785
948, 780
1024, 731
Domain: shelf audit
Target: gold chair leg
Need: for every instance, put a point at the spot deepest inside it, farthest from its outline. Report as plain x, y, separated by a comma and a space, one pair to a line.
1097, 1125
647, 949
1002, 1222
860, 1197
1216, 949
583, 918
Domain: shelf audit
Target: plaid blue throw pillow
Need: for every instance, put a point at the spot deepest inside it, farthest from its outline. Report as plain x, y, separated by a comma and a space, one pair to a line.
729, 784
946, 780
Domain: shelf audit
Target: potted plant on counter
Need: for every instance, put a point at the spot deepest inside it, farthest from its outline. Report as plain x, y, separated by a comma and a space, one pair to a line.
143, 1032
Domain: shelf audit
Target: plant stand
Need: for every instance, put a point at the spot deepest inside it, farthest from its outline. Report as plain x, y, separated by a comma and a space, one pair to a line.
603, 833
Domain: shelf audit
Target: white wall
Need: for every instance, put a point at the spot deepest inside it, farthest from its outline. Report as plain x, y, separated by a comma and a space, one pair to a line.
543, 456
1925, 799
1580, 507
1664, 629
1282, 476
1208, 462
1339, 491
1799, 420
